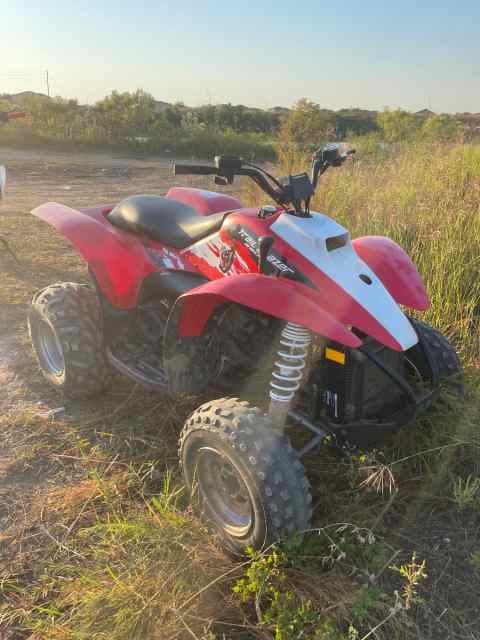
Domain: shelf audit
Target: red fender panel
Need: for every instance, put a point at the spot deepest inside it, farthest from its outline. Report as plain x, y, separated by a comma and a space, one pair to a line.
277, 297
117, 259
395, 269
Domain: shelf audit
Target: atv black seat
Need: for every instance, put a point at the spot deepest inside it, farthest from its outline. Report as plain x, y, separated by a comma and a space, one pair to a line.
169, 221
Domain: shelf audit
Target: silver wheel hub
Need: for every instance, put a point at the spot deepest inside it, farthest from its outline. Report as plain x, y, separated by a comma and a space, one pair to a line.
226, 493
50, 349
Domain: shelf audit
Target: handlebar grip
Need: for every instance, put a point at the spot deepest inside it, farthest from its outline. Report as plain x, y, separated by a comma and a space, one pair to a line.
194, 170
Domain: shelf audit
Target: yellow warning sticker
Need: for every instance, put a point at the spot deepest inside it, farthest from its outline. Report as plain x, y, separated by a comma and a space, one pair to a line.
336, 356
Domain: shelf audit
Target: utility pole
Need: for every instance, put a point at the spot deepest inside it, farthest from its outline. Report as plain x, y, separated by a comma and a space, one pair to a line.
48, 84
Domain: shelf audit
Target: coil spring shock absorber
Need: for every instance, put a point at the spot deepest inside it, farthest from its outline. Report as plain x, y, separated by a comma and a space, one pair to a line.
288, 370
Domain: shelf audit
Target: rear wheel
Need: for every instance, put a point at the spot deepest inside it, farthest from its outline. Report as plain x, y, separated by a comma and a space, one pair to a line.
247, 479
65, 326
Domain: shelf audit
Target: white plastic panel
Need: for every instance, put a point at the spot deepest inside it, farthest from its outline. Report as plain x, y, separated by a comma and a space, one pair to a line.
308, 236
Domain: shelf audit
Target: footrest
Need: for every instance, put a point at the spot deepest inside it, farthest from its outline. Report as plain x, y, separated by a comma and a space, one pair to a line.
139, 364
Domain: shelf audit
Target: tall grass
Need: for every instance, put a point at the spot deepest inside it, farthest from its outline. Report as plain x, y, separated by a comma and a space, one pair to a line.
426, 198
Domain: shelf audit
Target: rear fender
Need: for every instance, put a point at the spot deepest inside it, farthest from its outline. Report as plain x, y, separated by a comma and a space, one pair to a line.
277, 297
395, 269
118, 260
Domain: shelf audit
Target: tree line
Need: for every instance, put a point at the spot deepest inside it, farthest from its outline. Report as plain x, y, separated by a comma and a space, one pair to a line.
137, 119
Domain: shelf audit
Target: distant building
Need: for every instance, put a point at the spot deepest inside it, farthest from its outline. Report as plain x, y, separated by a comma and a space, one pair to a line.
425, 113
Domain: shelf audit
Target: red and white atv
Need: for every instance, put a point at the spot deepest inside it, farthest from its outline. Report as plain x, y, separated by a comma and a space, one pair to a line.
191, 292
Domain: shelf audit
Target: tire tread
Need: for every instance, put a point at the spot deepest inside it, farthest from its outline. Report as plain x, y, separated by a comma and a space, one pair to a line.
271, 460
73, 310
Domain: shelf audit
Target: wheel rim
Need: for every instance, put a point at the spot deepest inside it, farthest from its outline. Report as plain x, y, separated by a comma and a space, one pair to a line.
50, 349
227, 495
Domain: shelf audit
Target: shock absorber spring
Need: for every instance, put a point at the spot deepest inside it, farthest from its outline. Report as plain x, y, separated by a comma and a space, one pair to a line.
288, 370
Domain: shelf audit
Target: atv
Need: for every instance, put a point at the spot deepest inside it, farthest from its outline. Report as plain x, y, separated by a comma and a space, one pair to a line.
274, 306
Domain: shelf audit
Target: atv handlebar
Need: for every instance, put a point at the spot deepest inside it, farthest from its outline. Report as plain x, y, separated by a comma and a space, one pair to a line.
290, 190
194, 170
226, 168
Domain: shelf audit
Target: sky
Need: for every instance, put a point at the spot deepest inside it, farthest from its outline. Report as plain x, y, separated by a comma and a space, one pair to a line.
370, 54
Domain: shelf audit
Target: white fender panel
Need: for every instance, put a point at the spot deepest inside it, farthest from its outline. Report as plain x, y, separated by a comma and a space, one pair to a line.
309, 237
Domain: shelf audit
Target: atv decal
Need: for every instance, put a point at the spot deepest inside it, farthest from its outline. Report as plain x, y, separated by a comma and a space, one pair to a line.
276, 264
227, 256
165, 258
216, 258
250, 241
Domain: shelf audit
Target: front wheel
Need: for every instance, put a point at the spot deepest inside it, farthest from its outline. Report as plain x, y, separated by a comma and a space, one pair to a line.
441, 354
65, 326
247, 478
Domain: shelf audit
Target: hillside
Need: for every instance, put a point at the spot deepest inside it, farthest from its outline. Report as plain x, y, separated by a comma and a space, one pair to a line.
22, 96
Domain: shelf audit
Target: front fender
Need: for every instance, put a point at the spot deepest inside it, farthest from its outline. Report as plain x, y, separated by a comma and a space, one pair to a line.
277, 297
119, 261
395, 269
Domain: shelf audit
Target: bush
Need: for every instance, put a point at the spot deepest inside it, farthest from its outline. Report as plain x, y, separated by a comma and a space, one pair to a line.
397, 125
442, 128
207, 144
